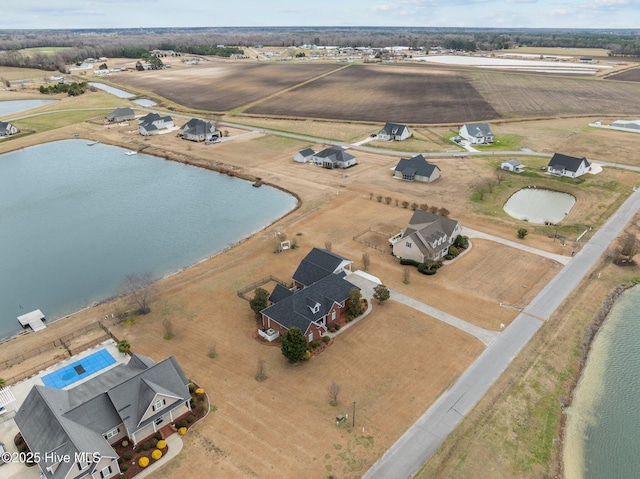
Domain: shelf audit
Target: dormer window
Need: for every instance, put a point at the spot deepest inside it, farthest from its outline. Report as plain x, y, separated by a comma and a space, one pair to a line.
315, 308
159, 405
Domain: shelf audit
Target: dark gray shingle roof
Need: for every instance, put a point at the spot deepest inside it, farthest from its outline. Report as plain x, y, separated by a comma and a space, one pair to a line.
566, 162
416, 165
316, 265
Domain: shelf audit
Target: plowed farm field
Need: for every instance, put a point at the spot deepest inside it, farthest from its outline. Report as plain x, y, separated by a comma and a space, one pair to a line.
404, 94
221, 86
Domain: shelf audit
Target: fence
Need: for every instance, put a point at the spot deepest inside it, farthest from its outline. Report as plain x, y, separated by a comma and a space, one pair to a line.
243, 292
359, 239
64, 341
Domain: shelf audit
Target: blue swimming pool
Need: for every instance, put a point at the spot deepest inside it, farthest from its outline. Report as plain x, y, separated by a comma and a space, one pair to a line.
80, 369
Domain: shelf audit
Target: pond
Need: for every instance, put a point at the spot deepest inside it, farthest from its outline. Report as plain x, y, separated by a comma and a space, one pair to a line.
114, 91
539, 206
9, 107
77, 219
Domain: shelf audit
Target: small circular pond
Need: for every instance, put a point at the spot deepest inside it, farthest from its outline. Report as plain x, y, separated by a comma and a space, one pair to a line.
539, 206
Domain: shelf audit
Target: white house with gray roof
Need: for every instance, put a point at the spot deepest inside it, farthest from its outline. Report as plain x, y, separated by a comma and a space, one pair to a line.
304, 155
477, 133
394, 132
121, 114
416, 169
154, 124
334, 157
132, 400
512, 165
570, 166
7, 129
428, 236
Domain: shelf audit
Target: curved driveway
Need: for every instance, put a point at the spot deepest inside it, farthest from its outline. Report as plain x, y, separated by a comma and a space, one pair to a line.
420, 441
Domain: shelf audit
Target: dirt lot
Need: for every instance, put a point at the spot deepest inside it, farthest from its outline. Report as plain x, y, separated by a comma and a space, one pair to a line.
632, 75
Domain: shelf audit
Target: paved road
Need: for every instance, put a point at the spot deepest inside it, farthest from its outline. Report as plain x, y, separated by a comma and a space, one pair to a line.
422, 439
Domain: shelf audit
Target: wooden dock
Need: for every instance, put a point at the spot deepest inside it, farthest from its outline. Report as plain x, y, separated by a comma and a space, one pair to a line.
35, 319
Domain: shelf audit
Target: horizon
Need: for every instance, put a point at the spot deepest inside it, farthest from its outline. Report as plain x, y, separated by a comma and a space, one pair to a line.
461, 14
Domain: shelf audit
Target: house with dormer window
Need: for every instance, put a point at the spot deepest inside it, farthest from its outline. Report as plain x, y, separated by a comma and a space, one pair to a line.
317, 300
428, 236
394, 132
132, 400
154, 124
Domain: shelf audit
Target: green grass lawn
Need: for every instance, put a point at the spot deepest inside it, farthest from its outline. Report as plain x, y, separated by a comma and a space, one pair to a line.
503, 142
51, 121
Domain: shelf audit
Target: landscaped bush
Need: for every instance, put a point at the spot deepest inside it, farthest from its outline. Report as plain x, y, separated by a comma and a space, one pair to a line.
337, 327
182, 431
199, 391
146, 445
315, 344
192, 403
124, 468
191, 418
127, 455
179, 424
156, 454
153, 442
161, 444
143, 461
158, 436
427, 269
192, 387
124, 443
409, 262
326, 339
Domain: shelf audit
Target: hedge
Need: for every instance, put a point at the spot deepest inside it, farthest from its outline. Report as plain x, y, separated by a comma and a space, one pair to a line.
409, 262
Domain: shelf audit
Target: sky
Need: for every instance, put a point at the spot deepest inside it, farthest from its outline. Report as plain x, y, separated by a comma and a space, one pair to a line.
66, 14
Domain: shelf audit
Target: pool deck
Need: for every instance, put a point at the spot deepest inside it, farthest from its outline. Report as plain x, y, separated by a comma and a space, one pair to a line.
8, 427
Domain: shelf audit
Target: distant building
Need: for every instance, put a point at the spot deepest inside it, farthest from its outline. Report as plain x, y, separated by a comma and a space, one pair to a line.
633, 125
199, 130
304, 155
7, 129
334, 157
121, 114
477, 133
392, 131
570, 166
416, 169
153, 124
512, 165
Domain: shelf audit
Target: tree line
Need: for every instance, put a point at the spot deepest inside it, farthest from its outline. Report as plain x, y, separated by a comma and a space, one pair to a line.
80, 44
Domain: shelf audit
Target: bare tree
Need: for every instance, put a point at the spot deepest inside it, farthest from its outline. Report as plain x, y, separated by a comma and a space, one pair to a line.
629, 246
334, 390
212, 352
327, 245
366, 261
406, 275
261, 371
141, 291
167, 326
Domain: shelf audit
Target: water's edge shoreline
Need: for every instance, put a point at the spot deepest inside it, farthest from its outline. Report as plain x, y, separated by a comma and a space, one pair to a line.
218, 167
586, 343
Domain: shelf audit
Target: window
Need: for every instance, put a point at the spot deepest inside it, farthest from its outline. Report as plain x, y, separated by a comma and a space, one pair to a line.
159, 404
408, 245
159, 421
112, 433
83, 463
311, 336
106, 472
333, 315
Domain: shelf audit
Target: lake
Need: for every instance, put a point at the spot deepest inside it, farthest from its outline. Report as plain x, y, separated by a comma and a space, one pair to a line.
539, 206
603, 424
9, 107
77, 219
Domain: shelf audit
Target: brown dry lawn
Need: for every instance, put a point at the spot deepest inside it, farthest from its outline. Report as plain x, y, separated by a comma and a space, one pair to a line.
283, 427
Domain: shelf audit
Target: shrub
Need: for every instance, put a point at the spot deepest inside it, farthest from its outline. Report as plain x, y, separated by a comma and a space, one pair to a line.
326, 339
153, 442
124, 468
179, 424
522, 232
127, 455
158, 436
192, 403
192, 387
191, 418
453, 251
199, 391
182, 431
337, 327
156, 454
143, 461
146, 445
315, 344
120, 460
307, 354
409, 262
161, 444
124, 443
